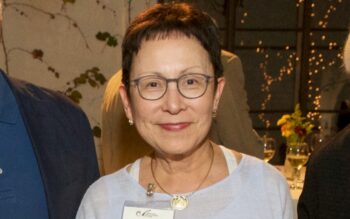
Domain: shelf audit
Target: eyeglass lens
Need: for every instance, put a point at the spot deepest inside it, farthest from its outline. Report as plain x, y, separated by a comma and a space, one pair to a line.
190, 86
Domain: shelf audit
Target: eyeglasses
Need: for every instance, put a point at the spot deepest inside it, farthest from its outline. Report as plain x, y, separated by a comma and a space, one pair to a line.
153, 87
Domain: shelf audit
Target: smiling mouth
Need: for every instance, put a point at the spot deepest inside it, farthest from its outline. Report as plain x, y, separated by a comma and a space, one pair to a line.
174, 126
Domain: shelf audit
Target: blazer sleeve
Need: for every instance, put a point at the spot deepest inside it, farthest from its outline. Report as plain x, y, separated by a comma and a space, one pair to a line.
63, 144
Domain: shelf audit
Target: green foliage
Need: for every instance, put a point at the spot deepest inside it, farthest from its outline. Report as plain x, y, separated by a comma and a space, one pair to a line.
75, 95
92, 76
53, 70
108, 38
69, 1
38, 54
96, 131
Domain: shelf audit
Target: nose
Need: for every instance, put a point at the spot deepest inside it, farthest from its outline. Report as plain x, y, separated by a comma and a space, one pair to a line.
173, 100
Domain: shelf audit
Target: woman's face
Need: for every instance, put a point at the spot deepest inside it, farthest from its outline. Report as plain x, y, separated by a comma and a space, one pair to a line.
173, 124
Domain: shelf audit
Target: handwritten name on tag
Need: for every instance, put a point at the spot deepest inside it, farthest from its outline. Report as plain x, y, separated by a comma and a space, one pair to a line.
146, 213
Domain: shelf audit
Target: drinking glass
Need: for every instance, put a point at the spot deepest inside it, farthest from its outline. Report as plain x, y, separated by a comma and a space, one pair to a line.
315, 142
297, 156
269, 148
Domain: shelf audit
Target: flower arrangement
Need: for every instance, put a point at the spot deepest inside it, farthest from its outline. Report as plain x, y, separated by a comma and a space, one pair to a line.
294, 127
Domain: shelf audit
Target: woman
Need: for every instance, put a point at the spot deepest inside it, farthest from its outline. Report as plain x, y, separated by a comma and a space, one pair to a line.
172, 83
121, 144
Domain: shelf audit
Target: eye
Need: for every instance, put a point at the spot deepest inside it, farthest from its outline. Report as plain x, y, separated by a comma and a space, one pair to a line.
192, 80
151, 83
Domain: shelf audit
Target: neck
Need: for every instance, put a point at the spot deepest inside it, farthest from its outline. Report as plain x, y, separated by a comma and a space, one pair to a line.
187, 164
185, 175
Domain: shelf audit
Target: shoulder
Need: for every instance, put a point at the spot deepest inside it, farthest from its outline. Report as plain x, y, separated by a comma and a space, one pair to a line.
111, 184
259, 166
40, 93
256, 170
267, 178
229, 59
233, 70
36, 96
263, 181
227, 56
97, 199
329, 167
335, 150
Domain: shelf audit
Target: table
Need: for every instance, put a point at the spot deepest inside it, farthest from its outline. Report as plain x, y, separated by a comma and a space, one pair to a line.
295, 193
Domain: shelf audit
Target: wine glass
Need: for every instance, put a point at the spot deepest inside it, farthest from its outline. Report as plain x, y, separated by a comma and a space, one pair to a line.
269, 148
315, 141
297, 156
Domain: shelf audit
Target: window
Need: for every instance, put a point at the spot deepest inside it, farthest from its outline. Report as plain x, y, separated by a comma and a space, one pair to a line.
291, 51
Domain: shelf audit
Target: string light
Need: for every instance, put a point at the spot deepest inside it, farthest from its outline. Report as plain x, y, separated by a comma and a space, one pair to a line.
245, 14
285, 70
316, 63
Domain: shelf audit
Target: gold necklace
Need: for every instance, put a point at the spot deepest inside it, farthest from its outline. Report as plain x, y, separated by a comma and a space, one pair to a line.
180, 202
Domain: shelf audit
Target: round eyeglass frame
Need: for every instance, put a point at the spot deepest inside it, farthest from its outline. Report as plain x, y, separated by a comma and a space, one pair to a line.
168, 80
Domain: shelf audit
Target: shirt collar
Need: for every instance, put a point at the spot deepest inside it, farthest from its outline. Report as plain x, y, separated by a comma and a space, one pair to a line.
7, 103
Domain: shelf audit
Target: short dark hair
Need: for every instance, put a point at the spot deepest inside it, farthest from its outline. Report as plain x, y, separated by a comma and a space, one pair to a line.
164, 20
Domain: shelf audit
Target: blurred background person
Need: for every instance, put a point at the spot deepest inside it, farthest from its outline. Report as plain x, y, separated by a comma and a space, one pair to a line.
326, 192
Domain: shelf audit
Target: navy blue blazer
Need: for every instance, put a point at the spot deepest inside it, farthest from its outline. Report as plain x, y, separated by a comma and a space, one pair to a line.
63, 145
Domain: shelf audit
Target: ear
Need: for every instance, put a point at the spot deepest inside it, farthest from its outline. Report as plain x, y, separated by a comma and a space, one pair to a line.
218, 93
126, 101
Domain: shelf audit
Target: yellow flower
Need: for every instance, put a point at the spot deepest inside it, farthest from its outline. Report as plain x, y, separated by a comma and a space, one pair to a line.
294, 127
286, 130
283, 120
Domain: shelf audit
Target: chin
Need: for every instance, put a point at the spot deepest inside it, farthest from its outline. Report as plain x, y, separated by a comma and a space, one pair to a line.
173, 149
176, 148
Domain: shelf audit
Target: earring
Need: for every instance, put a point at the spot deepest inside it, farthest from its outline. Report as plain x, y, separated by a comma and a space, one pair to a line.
131, 122
213, 114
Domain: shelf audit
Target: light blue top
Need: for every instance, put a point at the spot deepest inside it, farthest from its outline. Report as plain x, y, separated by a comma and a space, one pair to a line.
253, 190
21, 188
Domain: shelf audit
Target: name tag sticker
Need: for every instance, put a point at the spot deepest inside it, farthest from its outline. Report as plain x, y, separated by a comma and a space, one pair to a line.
130, 212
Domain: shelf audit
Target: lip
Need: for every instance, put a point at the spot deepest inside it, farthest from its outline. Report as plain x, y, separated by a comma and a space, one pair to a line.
174, 126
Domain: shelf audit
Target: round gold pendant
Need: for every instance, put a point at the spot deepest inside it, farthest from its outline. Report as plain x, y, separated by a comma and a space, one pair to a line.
179, 202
